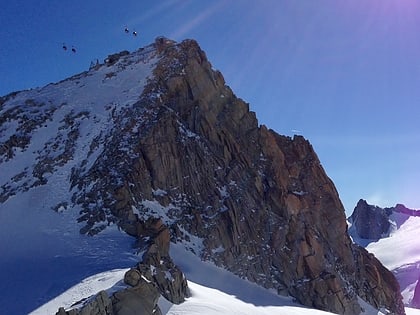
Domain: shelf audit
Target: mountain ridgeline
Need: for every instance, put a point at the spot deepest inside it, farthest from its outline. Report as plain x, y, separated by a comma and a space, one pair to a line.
158, 135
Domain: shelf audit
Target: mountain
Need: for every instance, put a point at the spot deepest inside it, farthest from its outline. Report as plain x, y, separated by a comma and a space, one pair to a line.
155, 144
393, 240
369, 222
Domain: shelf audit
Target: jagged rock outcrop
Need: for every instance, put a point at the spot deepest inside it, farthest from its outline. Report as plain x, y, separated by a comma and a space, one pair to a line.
101, 304
191, 153
370, 222
157, 266
154, 276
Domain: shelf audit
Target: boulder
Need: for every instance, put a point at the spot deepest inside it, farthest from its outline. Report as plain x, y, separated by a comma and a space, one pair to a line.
139, 300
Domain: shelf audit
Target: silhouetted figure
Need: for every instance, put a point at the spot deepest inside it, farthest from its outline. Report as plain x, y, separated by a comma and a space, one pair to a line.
64, 47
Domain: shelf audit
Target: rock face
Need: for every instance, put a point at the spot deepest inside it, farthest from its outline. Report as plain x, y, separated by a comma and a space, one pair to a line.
370, 222
190, 153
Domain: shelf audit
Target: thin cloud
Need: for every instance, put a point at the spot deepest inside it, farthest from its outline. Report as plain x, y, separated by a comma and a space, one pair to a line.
198, 20
154, 12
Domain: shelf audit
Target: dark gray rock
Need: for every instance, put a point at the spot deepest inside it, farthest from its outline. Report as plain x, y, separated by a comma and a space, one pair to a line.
100, 304
132, 277
370, 222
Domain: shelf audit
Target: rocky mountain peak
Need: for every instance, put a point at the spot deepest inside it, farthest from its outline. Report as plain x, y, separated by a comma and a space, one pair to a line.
157, 137
370, 222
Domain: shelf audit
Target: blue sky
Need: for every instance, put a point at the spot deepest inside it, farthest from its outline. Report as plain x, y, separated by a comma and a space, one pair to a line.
343, 73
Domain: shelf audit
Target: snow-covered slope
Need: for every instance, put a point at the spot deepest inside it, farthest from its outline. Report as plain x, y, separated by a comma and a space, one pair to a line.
204, 300
400, 252
45, 134
214, 292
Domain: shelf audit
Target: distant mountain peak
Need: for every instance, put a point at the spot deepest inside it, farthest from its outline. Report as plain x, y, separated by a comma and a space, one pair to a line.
371, 223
